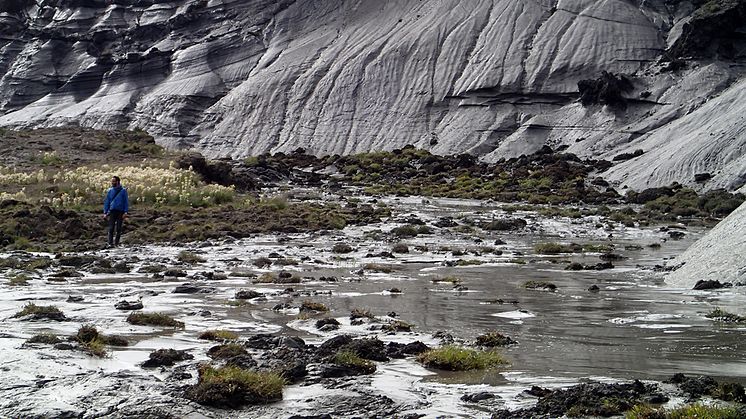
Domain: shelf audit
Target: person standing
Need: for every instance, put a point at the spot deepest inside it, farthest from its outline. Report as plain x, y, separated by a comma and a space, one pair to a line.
116, 208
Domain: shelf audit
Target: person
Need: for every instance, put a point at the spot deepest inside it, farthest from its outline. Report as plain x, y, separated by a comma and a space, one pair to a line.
116, 209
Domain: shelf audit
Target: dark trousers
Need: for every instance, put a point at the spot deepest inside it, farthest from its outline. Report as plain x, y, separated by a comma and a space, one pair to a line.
115, 223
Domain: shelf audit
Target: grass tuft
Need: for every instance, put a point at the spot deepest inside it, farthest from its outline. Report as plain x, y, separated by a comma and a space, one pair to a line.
218, 335
154, 319
455, 358
313, 306
233, 387
350, 359
552, 248
50, 312
697, 410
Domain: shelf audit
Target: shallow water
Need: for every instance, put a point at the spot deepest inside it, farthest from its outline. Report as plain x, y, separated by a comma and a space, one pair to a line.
634, 327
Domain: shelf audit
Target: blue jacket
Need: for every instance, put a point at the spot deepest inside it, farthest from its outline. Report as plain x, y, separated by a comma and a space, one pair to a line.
119, 203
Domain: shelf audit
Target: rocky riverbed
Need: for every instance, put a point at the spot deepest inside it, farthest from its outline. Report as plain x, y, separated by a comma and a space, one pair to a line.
582, 300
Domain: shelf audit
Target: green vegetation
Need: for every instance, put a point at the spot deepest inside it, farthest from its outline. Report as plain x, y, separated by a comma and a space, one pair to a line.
186, 256
313, 306
350, 359
45, 338
50, 312
154, 319
689, 411
449, 279
19, 279
233, 387
492, 339
724, 316
552, 248
454, 358
218, 335
540, 285
226, 351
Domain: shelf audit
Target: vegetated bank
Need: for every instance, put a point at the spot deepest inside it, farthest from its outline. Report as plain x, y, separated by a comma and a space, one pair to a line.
53, 181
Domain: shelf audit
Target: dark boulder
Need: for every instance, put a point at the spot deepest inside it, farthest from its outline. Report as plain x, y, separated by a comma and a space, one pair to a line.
166, 357
703, 284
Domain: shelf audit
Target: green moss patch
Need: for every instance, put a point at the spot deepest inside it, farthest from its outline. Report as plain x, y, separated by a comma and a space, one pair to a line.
154, 319
455, 358
233, 387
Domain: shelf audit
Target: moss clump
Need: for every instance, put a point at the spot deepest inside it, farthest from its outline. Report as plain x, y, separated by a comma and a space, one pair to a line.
115, 340
455, 358
154, 319
96, 347
45, 338
233, 387
313, 306
218, 335
186, 256
724, 316
410, 230
226, 351
350, 359
552, 248
41, 312
696, 410
540, 285
492, 339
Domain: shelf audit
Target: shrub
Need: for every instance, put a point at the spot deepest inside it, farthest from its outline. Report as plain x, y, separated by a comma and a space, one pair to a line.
233, 387
218, 335
494, 339
454, 358
154, 319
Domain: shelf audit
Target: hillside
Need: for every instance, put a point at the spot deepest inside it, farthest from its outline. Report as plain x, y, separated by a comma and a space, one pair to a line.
495, 78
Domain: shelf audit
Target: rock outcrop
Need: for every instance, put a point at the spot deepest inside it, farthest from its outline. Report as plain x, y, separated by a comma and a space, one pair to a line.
718, 256
495, 78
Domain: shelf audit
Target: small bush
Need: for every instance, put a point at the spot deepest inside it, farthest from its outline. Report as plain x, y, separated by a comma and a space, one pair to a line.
218, 335
96, 347
234, 387
186, 256
154, 319
350, 359
454, 358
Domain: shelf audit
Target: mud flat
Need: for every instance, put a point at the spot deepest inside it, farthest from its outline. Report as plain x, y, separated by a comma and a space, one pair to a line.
426, 276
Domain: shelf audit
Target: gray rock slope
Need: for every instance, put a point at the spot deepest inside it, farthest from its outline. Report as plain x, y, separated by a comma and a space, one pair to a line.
718, 256
496, 78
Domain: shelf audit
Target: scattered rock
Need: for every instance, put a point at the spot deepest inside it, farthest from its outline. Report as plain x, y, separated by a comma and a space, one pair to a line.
166, 357
711, 285
126, 305
247, 294
477, 397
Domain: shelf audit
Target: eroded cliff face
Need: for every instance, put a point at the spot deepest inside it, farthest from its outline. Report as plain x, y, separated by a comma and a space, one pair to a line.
497, 78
